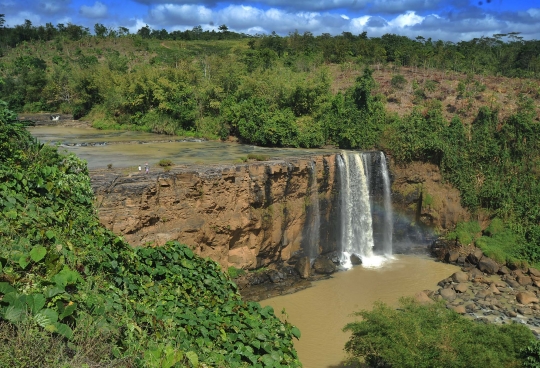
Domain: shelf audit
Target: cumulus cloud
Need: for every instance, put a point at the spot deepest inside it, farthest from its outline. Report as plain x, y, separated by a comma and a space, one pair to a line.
290, 5
183, 15
98, 10
405, 20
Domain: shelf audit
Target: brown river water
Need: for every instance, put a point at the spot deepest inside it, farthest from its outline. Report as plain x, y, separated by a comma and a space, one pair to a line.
320, 312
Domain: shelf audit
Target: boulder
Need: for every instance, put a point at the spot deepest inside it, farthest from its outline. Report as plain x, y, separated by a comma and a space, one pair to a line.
482, 294
461, 287
526, 297
504, 270
493, 288
242, 257
524, 280
452, 256
461, 260
276, 276
534, 272
511, 314
355, 260
488, 266
475, 274
323, 265
513, 283
460, 277
459, 309
475, 256
422, 298
448, 294
303, 267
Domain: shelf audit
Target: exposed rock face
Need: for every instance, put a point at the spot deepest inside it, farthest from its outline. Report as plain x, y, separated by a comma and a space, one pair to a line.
247, 215
419, 192
303, 267
254, 214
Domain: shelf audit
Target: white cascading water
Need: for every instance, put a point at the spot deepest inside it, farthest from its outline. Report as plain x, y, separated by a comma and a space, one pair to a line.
356, 226
388, 214
315, 220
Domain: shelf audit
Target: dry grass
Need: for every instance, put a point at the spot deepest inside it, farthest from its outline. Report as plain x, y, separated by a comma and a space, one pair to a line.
500, 93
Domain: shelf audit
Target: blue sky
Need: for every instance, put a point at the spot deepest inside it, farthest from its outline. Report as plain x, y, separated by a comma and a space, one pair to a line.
451, 20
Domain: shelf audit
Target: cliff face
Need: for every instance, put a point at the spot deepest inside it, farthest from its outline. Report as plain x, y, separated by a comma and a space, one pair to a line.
256, 214
247, 215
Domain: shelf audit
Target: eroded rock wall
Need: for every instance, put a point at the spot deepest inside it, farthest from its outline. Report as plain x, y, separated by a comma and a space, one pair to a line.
259, 213
247, 215
420, 193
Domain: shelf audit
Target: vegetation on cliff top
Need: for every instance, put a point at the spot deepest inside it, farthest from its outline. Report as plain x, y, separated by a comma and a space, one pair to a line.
91, 299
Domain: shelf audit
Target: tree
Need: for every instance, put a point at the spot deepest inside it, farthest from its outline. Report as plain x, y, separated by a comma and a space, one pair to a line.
100, 30
223, 28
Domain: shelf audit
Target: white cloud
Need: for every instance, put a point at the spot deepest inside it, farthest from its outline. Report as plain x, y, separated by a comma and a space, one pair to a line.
170, 14
344, 17
98, 10
406, 20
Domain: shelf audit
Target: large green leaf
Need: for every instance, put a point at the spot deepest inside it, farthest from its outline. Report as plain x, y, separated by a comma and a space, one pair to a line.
296, 332
64, 330
193, 358
46, 317
38, 253
6, 288
13, 314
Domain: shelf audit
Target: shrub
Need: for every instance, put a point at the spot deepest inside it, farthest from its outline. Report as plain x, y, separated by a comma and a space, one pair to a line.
165, 162
398, 81
235, 272
465, 232
258, 157
432, 336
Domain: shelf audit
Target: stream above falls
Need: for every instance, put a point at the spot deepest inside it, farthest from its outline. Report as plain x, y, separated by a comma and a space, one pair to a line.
128, 149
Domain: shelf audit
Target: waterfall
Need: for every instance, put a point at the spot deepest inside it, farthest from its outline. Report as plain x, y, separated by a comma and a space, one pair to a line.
357, 237
388, 215
315, 217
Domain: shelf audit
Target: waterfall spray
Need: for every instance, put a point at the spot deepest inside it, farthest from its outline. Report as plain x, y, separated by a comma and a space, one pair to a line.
388, 214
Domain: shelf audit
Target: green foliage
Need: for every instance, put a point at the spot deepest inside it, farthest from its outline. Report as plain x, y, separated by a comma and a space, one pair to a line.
432, 336
61, 273
466, 232
398, 81
235, 272
531, 355
165, 162
257, 157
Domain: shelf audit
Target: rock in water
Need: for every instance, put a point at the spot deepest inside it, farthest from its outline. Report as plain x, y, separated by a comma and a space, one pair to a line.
303, 267
526, 297
323, 265
355, 260
460, 277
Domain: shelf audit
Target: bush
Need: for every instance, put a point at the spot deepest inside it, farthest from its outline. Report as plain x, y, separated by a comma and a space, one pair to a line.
398, 81
432, 336
165, 162
257, 157
235, 272
465, 232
